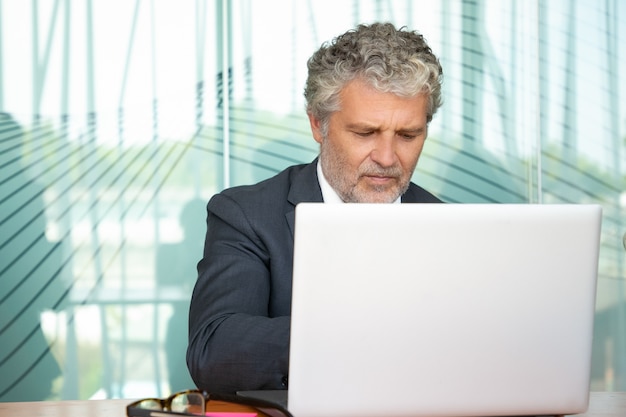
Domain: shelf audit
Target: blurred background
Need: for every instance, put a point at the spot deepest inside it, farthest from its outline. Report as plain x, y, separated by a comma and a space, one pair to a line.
121, 118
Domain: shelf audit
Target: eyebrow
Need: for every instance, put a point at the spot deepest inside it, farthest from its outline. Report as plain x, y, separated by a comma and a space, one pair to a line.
416, 130
362, 126
369, 127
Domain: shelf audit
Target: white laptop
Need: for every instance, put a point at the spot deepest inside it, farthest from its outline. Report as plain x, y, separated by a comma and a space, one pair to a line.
442, 309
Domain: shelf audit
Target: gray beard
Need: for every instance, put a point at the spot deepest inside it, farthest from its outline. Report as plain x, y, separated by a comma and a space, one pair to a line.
348, 188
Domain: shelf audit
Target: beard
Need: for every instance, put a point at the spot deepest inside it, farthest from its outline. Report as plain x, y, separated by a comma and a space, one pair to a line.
351, 184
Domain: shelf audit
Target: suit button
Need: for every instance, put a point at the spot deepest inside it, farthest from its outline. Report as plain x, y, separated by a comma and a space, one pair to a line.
285, 382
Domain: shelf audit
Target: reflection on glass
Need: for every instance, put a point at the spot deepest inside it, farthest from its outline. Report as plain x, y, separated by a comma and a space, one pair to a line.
124, 138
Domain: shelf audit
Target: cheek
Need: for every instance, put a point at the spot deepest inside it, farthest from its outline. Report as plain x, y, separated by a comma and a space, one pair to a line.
352, 153
410, 154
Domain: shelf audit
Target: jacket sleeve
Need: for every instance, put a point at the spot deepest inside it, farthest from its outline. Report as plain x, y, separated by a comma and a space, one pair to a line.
234, 343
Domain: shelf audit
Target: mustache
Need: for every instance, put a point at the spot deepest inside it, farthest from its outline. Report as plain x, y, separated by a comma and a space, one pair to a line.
394, 171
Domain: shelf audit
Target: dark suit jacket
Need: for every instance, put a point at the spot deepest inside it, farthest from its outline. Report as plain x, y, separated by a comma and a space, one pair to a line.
239, 315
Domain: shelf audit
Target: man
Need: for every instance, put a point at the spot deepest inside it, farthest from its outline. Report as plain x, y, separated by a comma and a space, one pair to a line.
370, 96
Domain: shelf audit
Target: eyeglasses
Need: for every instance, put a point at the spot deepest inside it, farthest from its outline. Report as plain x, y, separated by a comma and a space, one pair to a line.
194, 402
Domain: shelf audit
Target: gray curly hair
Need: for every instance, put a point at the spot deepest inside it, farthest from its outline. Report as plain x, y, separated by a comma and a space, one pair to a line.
392, 60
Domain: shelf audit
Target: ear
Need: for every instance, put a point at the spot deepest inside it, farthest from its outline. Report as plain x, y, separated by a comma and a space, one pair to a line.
316, 128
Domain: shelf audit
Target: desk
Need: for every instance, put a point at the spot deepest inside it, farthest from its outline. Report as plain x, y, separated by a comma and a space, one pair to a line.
602, 404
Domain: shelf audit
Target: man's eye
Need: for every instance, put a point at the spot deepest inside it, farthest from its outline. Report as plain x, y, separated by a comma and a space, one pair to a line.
364, 134
408, 136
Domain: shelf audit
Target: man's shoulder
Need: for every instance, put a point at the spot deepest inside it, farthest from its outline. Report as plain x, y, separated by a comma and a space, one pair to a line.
417, 194
280, 182
271, 191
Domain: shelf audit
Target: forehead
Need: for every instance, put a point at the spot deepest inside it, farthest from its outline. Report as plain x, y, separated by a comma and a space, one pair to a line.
360, 100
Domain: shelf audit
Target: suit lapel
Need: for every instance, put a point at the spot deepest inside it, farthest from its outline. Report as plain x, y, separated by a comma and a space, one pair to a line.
303, 188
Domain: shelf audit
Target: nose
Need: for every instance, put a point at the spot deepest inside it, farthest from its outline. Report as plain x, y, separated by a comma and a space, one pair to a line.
384, 152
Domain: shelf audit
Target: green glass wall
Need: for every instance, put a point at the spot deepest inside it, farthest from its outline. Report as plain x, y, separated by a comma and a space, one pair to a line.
121, 118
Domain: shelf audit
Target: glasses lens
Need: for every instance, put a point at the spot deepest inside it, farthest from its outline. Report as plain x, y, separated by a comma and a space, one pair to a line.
150, 404
189, 403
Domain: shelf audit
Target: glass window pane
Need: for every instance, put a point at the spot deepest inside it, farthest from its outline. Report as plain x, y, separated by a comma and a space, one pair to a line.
121, 119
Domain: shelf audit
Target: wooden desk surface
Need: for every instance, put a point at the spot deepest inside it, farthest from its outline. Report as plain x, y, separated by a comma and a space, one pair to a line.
602, 404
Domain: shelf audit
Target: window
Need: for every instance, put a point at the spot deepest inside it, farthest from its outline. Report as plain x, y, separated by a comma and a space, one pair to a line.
122, 118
